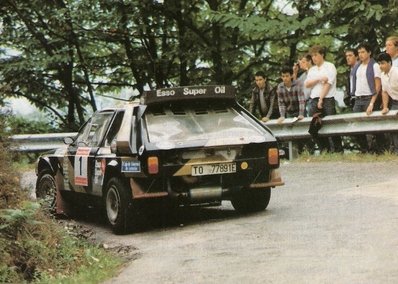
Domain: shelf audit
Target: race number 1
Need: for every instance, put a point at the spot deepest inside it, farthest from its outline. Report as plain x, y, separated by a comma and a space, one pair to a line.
81, 165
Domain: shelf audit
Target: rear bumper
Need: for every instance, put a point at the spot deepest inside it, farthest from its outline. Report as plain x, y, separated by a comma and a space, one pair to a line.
275, 180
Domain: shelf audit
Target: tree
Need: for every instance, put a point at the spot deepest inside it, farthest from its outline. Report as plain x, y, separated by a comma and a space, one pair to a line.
44, 69
68, 53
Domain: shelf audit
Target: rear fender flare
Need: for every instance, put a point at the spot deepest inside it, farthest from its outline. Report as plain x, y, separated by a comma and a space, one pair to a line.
47, 163
112, 169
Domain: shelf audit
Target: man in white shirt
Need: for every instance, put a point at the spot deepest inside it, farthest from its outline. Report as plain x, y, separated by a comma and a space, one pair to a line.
366, 88
389, 83
366, 80
321, 80
392, 49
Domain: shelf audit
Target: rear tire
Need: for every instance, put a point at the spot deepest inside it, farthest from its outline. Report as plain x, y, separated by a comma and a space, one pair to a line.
46, 191
118, 203
251, 200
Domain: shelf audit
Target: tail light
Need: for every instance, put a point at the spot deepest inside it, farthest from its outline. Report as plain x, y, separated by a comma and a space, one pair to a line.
273, 156
153, 165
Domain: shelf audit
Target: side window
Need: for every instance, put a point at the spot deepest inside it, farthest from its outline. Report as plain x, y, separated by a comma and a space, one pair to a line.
94, 130
83, 134
114, 129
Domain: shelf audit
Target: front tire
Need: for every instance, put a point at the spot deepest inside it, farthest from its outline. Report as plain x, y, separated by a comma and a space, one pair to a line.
46, 191
251, 200
118, 202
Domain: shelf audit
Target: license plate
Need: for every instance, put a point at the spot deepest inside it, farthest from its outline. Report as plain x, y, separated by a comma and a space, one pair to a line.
213, 169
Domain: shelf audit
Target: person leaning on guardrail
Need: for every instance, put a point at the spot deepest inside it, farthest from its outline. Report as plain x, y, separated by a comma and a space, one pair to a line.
291, 99
389, 84
321, 79
366, 88
263, 99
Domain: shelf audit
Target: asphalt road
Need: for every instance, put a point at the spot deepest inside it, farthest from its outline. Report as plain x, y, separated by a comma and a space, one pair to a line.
331, 223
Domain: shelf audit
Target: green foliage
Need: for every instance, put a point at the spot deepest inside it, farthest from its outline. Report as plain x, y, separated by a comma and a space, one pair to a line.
33, 248
21, 125
16, 218
68, 53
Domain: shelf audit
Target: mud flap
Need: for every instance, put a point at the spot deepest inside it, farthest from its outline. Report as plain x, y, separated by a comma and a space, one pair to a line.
62, 207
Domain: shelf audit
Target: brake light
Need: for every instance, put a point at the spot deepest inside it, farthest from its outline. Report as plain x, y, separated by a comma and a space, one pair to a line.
273, 156
153, 165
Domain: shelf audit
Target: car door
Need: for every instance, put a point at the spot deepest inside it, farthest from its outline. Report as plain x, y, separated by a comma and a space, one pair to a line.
79, 161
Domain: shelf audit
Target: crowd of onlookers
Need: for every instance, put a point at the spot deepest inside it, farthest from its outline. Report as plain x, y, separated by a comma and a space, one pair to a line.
309, 88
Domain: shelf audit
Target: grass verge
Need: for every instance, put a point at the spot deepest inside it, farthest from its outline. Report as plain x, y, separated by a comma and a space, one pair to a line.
36, 249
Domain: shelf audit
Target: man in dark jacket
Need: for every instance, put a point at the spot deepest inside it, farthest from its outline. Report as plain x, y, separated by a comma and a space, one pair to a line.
263, 99
351, 56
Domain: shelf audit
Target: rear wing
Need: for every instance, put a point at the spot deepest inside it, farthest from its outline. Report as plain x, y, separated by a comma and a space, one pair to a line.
217, 92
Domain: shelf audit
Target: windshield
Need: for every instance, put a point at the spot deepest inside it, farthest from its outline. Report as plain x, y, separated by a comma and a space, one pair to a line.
216, 125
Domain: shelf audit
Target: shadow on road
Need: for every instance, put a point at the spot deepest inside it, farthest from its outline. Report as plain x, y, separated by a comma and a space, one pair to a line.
152, 216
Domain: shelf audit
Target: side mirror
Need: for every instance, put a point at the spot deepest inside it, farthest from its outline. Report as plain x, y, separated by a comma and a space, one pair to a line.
113, 146
68, 140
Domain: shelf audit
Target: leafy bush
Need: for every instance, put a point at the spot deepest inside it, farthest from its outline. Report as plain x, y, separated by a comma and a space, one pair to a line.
22, 125
35, 248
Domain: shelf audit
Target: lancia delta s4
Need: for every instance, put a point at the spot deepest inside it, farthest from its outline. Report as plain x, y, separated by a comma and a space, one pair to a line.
187, 146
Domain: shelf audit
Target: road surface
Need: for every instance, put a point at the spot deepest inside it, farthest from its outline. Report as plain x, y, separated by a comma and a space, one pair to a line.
333, 222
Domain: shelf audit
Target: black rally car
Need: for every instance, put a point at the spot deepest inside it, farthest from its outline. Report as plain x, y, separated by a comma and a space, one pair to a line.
190, 145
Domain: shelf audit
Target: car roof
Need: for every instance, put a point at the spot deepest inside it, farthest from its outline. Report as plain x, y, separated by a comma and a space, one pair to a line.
186, 93
180, 94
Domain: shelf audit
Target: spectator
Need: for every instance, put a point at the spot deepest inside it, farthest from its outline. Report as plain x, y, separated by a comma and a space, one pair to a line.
351, 56
297, 71
389, 83
291, 100
366, 87
305, 64
392, 49
321, 79
263, 99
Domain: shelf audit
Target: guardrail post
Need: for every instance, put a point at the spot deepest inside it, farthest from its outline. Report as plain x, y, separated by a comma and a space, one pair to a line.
291, 150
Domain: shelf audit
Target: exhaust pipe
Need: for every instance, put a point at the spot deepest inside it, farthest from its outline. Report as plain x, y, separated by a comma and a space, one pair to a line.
201, 194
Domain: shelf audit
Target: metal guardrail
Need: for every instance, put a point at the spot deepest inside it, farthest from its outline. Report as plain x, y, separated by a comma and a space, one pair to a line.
36, 143
290, 130
335, 125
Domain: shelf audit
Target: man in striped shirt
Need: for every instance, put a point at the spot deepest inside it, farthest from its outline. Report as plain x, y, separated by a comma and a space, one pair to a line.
291, 101
291, 98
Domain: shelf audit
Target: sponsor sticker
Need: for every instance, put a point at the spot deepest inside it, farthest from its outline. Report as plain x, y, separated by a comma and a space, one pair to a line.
81, 166
99, 172
131, 166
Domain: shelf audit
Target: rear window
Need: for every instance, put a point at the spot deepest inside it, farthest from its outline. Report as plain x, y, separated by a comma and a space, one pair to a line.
217, 125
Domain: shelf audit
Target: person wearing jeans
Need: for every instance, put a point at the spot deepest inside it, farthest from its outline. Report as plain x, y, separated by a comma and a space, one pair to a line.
321, 80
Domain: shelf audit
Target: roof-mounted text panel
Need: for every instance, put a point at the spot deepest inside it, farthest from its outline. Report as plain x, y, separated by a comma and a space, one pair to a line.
189, 93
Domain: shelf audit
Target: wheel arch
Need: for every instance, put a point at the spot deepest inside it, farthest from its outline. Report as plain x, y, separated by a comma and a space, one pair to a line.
45, 163
111, 171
